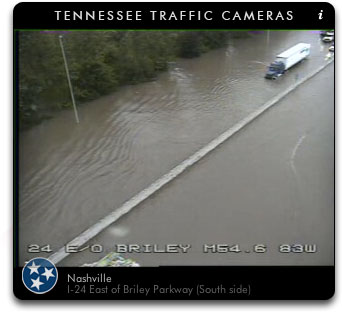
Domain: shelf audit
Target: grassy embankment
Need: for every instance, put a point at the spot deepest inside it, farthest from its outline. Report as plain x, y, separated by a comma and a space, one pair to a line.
99, 62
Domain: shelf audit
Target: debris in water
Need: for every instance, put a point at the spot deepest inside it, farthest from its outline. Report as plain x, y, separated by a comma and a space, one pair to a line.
113, 259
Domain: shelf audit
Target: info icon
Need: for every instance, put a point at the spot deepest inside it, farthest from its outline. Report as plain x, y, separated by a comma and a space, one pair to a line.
39, 275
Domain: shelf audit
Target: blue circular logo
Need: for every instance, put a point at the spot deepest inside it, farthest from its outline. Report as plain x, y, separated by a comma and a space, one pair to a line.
39, 275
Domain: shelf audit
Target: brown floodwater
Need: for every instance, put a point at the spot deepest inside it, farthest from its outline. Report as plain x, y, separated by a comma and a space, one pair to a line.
73, 175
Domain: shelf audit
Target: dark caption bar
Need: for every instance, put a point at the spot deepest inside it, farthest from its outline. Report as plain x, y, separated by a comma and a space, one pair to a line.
188, 283
315, 15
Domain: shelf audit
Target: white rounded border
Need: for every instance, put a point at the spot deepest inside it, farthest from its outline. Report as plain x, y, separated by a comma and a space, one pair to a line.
22, 276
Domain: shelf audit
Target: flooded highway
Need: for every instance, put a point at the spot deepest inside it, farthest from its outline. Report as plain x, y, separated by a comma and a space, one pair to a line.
73, 175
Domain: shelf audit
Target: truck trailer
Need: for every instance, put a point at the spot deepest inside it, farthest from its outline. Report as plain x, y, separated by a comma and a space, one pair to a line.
287, 59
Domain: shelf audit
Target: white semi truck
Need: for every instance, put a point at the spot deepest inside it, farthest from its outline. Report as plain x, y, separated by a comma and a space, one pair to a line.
287, 59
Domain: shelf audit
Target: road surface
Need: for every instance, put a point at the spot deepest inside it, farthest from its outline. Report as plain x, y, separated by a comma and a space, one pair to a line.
271, 184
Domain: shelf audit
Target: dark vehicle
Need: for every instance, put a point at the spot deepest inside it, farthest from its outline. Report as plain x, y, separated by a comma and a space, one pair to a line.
275, 70
287, 59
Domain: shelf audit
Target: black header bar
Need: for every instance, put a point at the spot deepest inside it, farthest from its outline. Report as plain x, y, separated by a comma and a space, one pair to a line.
170, 15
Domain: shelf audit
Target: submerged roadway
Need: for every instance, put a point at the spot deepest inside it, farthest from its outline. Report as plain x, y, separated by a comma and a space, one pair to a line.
267, 192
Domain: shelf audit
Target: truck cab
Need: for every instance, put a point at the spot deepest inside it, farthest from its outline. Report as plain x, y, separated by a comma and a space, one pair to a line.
275, 70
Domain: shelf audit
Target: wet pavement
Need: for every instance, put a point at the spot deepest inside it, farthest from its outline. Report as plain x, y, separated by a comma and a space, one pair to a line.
270, 185
73, 175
